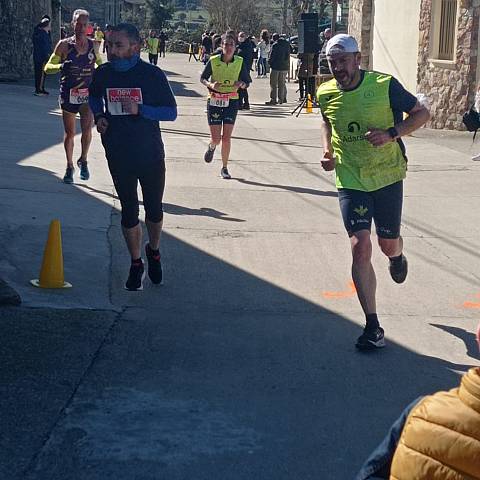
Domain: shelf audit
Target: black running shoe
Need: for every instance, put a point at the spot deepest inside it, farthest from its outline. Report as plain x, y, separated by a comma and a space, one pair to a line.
135, 277
83, 165
68, 177
45, 92
399, 269
246, 106
154, 265
208, 157
371, 339
225, 174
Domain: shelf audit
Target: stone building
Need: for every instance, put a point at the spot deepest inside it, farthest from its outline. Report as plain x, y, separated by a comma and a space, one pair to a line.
431, 46
18, 21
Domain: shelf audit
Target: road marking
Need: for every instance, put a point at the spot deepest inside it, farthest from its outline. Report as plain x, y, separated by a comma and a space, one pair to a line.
472, 304
352, 291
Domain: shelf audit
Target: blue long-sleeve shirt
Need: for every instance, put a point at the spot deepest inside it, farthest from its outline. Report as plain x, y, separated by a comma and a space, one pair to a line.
132, 136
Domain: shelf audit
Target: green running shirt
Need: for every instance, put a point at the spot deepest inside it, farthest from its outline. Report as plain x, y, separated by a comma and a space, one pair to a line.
351, 113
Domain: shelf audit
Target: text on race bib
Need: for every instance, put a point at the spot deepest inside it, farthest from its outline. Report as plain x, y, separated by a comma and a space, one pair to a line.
78, 96
115, 97
220, 100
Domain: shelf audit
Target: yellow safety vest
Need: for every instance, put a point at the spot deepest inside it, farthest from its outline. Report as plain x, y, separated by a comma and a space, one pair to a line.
226, 73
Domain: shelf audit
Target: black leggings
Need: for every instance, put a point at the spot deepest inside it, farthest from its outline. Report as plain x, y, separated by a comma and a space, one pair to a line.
152, 182
153, 58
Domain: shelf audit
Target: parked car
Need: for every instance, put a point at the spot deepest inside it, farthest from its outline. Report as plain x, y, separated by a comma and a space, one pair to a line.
293, 41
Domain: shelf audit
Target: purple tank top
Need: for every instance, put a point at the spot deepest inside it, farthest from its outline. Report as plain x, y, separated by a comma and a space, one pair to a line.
78, 70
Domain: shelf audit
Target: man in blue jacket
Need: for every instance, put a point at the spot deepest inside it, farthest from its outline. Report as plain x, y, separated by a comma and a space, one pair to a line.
42, 48
128, 98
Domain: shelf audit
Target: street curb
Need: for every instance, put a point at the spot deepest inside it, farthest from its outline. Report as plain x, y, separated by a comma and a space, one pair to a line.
8, 296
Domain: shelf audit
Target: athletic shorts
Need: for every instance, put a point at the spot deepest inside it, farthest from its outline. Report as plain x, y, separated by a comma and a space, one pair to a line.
152, 181
72, 108
219, 115
384, 206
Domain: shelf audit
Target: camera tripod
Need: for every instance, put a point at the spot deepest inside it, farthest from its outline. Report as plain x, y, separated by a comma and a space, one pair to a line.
303, 104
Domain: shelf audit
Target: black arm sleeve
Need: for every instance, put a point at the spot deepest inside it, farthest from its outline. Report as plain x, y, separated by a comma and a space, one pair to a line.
400, 99
207, 72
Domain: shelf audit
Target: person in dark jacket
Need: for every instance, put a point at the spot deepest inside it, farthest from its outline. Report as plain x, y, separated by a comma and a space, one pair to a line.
245, 48
279, 61
42, 48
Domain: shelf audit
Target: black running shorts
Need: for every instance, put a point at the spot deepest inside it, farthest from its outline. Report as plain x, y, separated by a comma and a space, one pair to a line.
384, 206
220, 115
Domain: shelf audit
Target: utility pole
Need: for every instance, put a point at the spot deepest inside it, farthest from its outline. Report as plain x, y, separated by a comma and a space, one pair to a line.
334, 16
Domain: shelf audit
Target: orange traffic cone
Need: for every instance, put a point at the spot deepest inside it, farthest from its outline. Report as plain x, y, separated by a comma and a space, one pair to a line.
51, 273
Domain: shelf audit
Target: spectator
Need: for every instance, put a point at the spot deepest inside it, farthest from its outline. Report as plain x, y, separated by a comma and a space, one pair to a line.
42, 48
263, 48
279, 61
207, 46
162, 43
245, 48
436, 438
322, 59
192, 48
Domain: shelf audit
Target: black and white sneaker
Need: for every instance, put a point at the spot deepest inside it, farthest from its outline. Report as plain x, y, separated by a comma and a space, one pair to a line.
371, 339
135, 277
398, 268
208, 157
225, 174
155, 272
68, 177
84, 172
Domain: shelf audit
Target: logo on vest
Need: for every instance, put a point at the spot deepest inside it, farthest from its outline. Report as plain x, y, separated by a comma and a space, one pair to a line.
369, 94
354, 129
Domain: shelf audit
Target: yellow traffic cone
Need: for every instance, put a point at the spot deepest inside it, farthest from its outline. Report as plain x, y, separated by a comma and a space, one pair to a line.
309, 104
51, 273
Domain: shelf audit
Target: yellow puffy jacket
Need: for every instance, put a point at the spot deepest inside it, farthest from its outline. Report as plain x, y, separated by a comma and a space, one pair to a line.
441, 437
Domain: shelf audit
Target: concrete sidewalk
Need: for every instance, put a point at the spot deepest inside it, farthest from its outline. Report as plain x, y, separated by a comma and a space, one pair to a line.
242, 366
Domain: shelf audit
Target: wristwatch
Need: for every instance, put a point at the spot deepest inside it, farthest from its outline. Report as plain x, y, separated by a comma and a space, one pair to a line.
392, 131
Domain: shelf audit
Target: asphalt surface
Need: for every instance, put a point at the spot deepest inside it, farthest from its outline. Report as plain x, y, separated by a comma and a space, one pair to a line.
242, 366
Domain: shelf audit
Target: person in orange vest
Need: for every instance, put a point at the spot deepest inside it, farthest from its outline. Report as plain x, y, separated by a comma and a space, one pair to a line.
437, 437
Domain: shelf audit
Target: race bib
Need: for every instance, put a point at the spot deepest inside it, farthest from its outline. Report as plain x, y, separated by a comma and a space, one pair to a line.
78, 96
220, 100
115, 96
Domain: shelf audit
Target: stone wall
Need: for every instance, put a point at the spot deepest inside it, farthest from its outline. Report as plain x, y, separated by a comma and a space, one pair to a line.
360, 26
18, 21
450, 88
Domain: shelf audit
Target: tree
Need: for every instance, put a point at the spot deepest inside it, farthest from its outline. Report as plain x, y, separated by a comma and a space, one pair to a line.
159, 12
236, 16
135, 16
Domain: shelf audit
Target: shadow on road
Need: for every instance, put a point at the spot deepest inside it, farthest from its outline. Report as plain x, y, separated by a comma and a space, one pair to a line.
219, 374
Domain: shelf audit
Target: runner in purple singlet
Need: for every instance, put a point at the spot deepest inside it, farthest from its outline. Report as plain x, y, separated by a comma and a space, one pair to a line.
75, 57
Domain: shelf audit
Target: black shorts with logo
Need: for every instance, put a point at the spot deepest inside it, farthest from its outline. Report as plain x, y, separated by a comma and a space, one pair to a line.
384, 206
219, 115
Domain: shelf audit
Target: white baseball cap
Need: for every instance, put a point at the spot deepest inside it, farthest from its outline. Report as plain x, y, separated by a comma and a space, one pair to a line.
341, 43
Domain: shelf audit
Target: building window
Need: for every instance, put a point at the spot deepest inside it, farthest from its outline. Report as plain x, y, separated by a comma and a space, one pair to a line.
445, 29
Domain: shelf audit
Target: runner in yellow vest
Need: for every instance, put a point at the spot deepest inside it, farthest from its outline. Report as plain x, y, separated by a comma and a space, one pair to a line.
152, 47
223, 75
362, 122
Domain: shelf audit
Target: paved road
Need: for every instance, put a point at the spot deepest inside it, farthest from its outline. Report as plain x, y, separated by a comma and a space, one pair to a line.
242, 366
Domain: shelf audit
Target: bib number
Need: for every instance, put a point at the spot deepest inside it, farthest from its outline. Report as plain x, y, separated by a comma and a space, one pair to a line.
219, 100
115, 96
78, 96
